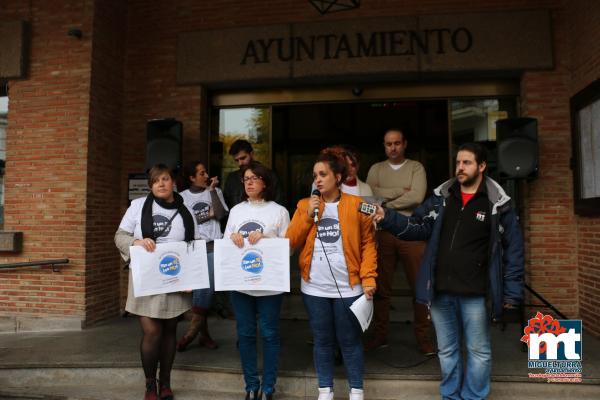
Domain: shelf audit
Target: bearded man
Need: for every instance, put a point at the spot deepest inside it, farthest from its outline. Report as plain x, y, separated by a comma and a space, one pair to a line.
474, 251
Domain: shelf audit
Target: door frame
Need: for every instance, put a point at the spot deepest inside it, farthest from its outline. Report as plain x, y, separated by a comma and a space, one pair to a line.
358, 93
446, 90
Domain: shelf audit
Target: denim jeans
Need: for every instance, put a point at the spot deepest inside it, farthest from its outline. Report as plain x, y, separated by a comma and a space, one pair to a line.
268, 309
333, 324
454, 318
203, 297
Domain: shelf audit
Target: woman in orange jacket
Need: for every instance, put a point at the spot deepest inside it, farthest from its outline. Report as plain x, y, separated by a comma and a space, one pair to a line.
338, 263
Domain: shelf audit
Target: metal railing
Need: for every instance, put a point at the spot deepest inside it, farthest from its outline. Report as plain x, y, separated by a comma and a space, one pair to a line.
36, 264
546, 304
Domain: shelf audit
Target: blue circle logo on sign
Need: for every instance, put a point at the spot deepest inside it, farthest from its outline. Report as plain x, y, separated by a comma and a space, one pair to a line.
252, 262
170, 265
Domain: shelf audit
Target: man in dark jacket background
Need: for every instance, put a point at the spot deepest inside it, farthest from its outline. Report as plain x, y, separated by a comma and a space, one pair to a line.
243, 154
475, 250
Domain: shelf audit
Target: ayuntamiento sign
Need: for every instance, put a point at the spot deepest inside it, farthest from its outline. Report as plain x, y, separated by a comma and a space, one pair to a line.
506, 41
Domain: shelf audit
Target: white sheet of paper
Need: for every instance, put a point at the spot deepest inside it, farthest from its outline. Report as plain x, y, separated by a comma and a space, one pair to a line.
263, 266
363, 309
172, 267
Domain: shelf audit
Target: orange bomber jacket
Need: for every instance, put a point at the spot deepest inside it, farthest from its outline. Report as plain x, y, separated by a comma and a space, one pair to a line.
358, 239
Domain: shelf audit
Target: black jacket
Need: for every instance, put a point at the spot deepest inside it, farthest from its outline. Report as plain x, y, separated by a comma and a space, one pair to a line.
505, 262
462, 264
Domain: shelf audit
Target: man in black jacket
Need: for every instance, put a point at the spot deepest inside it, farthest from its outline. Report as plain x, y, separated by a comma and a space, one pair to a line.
474, 250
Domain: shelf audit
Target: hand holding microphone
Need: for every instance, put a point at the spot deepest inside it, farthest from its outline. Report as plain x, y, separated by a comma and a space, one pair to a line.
313, 205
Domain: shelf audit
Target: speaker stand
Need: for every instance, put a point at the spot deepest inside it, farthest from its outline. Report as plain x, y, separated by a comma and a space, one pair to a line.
513, 188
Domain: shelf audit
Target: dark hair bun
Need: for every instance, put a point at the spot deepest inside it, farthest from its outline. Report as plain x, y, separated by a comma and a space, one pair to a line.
335, 156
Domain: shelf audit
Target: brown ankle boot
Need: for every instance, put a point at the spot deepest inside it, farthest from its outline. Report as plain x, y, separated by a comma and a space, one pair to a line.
192, 332
205, 339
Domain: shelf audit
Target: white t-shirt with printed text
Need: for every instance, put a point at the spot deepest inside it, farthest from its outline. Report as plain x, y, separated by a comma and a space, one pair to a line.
201, 203
321, 282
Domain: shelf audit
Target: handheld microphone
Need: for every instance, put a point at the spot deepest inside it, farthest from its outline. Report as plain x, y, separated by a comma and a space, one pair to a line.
316, 210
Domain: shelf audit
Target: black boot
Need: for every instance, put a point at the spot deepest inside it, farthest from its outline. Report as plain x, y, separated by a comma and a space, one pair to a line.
252, 395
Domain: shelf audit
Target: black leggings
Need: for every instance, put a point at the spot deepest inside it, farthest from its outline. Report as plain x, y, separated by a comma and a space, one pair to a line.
158, 345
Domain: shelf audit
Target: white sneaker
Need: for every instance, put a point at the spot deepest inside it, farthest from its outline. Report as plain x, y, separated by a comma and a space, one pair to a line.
325, 393
356, 394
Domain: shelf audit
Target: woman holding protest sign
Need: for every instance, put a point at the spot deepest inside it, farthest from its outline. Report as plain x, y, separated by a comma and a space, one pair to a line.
338, 262
207, 202
160, 217
256, 218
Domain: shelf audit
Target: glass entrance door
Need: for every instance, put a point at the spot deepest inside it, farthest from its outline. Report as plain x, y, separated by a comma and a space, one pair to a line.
230, 124
301, 131
288, 137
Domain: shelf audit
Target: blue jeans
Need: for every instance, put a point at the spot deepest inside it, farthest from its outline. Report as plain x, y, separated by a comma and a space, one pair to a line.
203, 297
333, 324
268, 309
455, 317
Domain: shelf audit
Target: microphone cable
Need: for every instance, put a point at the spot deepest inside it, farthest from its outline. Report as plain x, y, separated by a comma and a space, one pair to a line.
351, 314
346, 306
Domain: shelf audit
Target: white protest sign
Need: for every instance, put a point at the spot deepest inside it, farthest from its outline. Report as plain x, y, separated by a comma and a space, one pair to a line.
172, 267
263, 266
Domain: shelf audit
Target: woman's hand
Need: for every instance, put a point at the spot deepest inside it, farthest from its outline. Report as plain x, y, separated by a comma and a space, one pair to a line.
254, 237
378, 215
147, 244
214, 182
313, 202
237, 239
369, 292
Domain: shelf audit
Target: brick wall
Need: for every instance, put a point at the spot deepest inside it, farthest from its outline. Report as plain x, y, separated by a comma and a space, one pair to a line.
47, 144
151, 90
103, 173
584, 37
77, 128
550, 222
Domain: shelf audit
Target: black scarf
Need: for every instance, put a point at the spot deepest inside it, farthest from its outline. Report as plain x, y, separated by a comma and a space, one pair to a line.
148, 222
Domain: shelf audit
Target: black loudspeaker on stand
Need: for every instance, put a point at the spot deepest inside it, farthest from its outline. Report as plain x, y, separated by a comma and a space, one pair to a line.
163, 143
517, 160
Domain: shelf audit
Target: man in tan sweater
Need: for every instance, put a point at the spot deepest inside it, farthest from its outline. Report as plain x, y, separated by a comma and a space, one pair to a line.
402, 184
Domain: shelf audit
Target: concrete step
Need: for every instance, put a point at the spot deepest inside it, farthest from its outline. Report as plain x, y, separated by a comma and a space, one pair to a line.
22, 394
127, 383
104, 363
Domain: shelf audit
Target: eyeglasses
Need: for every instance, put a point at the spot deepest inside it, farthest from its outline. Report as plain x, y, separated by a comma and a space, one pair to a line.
253, 178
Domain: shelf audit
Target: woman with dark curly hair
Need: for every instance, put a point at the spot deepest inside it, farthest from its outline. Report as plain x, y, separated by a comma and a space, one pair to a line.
338, 263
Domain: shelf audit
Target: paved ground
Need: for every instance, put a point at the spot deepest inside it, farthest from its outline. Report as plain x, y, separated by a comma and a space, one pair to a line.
54, 359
